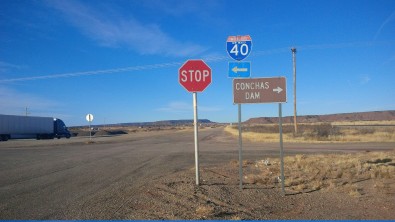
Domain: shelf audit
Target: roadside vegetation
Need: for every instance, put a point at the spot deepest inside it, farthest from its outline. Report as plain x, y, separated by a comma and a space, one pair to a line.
364, 131
112, 131
307, 173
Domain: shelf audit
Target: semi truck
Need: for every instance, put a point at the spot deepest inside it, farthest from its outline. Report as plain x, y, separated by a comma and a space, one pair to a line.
13, 127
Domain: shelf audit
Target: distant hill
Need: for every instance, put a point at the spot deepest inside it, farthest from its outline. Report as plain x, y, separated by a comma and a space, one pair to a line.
341, 117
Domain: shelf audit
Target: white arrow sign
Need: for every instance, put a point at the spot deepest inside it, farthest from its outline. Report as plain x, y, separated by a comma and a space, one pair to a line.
278, 89
236, 69
259, 90
89, 117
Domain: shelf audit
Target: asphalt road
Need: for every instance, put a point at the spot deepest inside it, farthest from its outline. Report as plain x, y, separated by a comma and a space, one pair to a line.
72, 179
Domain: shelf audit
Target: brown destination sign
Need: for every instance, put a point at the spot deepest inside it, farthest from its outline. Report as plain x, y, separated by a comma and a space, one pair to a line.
260, 90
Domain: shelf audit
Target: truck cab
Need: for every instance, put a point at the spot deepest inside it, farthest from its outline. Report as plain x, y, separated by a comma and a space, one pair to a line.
60, 129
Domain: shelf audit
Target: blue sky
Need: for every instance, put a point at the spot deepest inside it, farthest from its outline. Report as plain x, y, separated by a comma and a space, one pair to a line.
119, 59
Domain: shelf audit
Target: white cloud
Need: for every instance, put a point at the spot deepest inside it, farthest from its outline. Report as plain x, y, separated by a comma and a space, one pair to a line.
5, 66
116, 31
177, 8
392, 58
182, 107
209, 109
15, 103
176, 107
365, 79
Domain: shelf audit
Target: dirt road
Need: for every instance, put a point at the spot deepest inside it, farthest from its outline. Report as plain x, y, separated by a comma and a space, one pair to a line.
72, 179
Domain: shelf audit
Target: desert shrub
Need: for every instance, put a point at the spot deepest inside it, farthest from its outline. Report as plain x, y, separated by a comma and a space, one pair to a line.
266, 128
110, 132
353, 190
365, 131
322, 131
83, 133
117, 132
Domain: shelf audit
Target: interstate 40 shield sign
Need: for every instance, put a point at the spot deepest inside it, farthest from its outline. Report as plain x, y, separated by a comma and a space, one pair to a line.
239, 47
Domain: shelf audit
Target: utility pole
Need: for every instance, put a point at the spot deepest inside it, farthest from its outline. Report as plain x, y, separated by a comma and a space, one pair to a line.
293, 49
26, 112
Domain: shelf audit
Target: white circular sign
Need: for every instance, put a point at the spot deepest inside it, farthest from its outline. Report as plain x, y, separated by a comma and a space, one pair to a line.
89, 117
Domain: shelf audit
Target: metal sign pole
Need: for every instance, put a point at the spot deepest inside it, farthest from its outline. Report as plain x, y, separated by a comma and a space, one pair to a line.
280, 122
89, 118
195, 123
240, 151
90, 131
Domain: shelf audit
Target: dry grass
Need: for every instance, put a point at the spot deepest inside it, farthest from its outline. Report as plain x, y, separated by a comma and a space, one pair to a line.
358, 123
204, 211
321, 132
354, 190
257, 137
306, 173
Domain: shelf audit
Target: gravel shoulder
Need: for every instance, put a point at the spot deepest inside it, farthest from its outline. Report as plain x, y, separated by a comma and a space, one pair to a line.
151, 175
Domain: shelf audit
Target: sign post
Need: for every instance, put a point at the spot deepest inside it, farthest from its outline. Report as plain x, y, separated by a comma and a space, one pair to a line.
195, 136
280, 123
263, 90
195, 76
89, 118
238, 48
240, 149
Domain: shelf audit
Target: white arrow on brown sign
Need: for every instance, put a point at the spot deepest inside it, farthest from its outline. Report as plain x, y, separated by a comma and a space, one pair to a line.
260, 90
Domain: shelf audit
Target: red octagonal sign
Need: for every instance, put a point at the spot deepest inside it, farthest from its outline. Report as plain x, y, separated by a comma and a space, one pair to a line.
194, 75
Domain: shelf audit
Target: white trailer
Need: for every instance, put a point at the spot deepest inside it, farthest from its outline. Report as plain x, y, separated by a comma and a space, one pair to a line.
31, 127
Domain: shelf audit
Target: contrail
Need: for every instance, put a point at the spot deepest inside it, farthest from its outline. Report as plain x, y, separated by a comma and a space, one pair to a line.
179, 63
389, 18
96, 72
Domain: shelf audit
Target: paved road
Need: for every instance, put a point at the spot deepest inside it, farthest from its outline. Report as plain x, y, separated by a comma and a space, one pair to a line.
71, 179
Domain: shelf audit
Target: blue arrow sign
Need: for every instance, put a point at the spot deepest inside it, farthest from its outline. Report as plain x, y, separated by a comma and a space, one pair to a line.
239, 47
239, 69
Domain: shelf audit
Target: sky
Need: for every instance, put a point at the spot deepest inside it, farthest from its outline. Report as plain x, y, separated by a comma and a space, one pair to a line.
119, 59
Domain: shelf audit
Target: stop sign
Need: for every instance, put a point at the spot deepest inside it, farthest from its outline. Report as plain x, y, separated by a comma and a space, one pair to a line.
194, 75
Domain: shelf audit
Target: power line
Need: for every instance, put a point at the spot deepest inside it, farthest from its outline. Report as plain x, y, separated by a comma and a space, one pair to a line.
293, 49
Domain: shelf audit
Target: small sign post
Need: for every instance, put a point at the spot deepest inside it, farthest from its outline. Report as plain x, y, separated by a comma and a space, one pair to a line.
238, 48
240, 148
89, 118
258, 90
195, 76
280, 123
263, 90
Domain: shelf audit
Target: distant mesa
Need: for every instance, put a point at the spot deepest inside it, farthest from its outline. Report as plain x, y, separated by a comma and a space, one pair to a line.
341, 117
166, 123
186, 122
